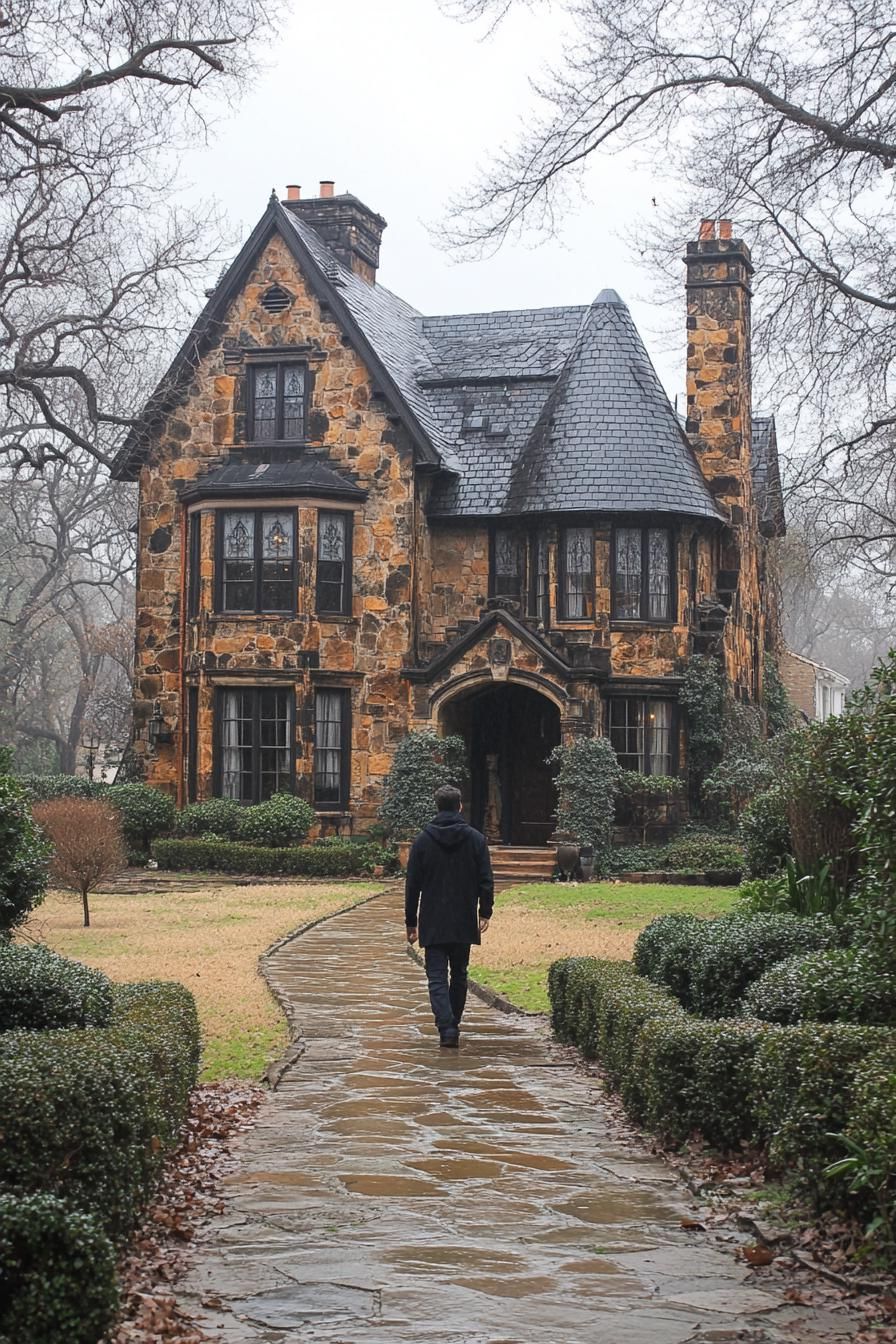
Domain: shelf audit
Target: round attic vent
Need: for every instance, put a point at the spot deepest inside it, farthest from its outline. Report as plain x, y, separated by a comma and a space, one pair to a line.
275, 299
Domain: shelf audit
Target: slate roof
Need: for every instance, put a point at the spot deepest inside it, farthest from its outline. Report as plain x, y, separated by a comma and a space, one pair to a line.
767, 489
299, 475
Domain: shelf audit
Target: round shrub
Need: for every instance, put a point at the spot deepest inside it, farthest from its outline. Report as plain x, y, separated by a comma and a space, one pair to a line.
216, 816
702, 854
765, 833
834, 985
40, 989
145, 813
23, 857
279, 822
735, 949
665, 951
57, 1272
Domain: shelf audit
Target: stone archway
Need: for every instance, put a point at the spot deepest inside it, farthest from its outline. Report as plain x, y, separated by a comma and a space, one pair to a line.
510, 730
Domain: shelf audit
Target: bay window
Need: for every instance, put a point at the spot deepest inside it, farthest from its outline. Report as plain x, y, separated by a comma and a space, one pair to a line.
576, 573
255, 568
334, 563
642, 574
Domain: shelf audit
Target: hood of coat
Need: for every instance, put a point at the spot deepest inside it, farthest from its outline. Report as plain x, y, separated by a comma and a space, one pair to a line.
448, 829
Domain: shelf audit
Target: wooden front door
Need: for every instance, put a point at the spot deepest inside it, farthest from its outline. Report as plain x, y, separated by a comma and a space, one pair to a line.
513, 730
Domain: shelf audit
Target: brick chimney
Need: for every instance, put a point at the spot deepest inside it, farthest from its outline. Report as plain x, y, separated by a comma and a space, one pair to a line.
349, 228
718, 384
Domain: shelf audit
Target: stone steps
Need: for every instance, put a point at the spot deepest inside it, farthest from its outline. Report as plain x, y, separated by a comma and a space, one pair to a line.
520, 863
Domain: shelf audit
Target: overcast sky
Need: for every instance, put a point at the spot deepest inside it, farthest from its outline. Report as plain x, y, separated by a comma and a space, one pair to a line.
400, 104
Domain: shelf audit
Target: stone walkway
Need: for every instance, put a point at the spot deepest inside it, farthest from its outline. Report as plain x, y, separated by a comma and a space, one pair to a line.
395, 1194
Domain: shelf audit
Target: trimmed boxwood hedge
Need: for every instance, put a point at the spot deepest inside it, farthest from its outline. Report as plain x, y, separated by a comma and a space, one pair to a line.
89, 1115
334, 859
40, 989
57, 1273
793, 1090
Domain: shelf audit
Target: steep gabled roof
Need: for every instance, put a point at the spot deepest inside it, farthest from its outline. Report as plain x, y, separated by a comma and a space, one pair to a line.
766, 468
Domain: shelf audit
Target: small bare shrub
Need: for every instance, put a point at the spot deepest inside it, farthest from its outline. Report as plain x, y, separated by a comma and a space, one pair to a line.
88, 848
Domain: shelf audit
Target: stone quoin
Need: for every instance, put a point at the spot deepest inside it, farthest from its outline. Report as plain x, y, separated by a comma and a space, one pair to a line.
356, 520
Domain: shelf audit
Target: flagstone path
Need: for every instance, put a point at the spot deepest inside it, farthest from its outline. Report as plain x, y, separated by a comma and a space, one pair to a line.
393, 1193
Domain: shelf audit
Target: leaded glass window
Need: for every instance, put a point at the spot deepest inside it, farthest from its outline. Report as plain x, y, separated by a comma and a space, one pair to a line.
256, 560
331, 748
642, 574
577, 552
641, 734
540, 583
278, 402
334, 594
256, 742
507, 564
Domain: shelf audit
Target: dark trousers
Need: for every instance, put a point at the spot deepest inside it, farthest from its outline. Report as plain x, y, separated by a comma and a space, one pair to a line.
447, 996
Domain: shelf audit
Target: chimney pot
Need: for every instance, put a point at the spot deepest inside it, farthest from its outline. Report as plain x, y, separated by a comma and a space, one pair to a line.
707, 230
724, 228
326, 188
293, 193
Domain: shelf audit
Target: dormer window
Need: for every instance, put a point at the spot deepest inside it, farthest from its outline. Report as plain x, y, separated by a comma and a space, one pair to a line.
276, 402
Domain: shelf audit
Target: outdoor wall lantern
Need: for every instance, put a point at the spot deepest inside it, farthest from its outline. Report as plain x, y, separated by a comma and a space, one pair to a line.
159, 732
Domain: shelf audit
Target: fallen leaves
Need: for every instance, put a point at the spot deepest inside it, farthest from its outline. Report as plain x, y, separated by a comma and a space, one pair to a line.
757, 1255
187, 1194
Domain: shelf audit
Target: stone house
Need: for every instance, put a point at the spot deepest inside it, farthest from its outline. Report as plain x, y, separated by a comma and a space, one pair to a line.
356, 520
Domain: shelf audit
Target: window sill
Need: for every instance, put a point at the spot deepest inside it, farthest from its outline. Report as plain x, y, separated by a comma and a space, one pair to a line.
254, 617
332, 618
623, 623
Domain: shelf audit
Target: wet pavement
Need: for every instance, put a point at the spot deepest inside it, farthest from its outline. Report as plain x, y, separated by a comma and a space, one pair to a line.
392, 1192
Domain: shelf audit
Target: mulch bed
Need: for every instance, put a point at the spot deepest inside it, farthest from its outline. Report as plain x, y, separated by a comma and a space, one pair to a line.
187, 1195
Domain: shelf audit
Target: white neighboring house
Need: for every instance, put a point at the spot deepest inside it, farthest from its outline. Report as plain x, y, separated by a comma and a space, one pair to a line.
817, 691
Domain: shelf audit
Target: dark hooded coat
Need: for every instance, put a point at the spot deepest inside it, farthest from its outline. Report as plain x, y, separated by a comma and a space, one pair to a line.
449, 885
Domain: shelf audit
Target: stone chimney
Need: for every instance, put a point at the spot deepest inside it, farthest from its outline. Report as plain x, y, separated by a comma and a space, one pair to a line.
349, 228
718, 385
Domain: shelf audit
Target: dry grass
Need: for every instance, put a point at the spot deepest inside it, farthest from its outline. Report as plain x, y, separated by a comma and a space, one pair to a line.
209, 937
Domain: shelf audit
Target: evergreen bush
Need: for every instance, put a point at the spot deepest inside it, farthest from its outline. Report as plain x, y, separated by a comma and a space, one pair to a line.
24, 857
57, 1273
649, 798
423, 761
664, 953
217, 816
43, 788
733, 950
834, 985
764, 832
39, 989
145, 813
780, 713
703, 697
334, 858
280, 821
588, 777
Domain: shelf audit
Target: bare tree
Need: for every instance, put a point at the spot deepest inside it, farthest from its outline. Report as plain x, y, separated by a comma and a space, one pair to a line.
95, 263
782, 117
88, 847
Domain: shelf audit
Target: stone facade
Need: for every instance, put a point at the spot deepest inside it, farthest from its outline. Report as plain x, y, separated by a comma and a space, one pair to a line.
424, 633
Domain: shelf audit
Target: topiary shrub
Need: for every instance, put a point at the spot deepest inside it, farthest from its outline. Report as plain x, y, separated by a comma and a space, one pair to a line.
665, 951
280, 821
23, 858
216, 816
88, 847
39, 990
145, 813
734, 950
835, 985
764, 832
57, 1272
422, 762
588, 776
335, 858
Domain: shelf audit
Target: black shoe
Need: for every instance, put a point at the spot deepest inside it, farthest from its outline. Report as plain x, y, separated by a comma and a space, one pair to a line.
448, 1039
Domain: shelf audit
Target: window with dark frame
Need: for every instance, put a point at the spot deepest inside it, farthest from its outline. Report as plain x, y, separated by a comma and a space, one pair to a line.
577, 573
642, 574
192, 743
539, 578
276, 402
255, 742
334, 563
256, 560
641, 734
507, 564
194, 564
332, 728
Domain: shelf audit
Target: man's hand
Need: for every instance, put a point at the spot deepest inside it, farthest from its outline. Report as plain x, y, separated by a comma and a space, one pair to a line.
412, 936
483, 925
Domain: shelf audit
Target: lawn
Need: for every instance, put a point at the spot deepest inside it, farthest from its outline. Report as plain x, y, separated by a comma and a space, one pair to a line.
537, 923
209, 938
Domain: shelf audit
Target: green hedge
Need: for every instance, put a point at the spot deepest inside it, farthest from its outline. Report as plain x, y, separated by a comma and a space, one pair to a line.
839, 984
88, 1115
805, 1093
334, 859
40, 989
57, 1273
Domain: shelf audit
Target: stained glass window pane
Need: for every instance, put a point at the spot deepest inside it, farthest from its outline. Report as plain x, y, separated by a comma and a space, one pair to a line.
238, 550
578, 545
264, 402
328, 746
277, 536
293, 402
659, 713
659, 586
627, 596
508, 569
542, 580
332, 567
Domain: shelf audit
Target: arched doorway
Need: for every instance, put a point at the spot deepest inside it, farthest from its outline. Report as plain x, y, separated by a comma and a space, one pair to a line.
510, 731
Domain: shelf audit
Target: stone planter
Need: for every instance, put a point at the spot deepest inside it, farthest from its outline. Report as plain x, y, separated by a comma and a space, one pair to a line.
404, 852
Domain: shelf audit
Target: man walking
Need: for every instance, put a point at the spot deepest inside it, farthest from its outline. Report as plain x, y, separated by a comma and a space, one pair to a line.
450, 882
